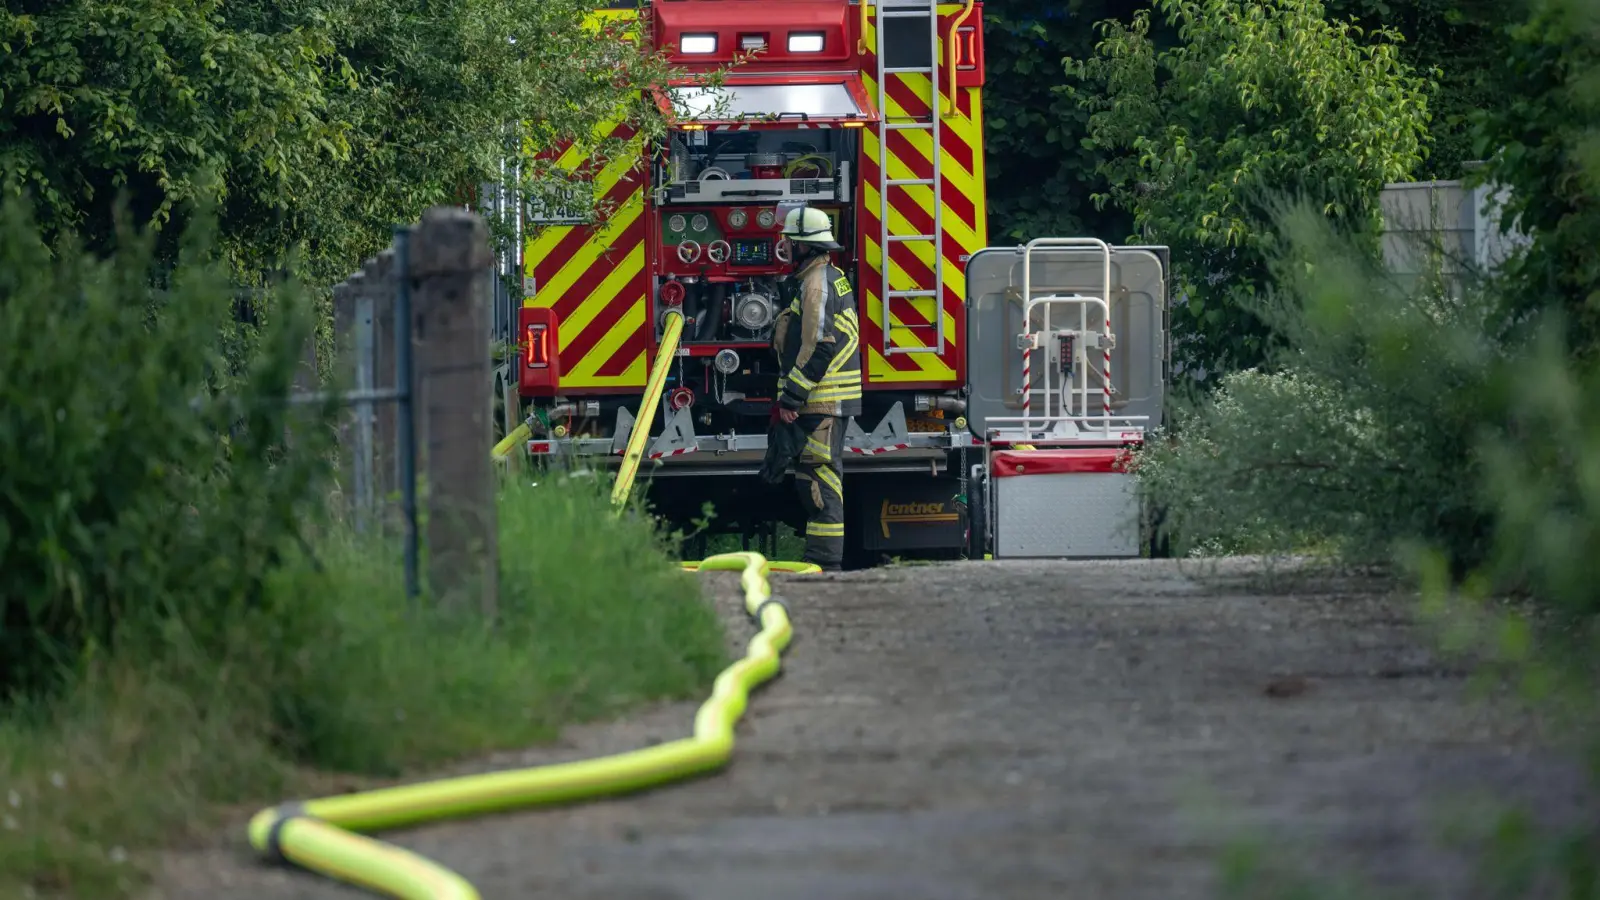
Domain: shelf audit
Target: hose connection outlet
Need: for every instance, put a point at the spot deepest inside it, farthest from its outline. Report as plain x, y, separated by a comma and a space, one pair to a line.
681, 398
671, 296
672, 293
727, 361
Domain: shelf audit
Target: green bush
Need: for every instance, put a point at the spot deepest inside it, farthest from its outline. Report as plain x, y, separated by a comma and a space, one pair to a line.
337, 674
185, 625
1376, 420
1543, 146
141, 481
594, 618
1455, 431
1364, 430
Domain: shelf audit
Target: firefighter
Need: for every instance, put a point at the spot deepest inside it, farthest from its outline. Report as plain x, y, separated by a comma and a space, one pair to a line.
819, 378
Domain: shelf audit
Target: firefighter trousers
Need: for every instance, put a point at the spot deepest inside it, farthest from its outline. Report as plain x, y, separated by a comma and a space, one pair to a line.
819, 475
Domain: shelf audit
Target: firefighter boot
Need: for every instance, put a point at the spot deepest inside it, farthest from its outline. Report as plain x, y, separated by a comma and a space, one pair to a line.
819, 475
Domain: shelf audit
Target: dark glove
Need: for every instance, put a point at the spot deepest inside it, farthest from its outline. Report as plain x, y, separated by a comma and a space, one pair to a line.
785, 442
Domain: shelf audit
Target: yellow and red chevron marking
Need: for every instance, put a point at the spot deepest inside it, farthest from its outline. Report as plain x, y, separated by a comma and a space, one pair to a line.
910, 155
595, 279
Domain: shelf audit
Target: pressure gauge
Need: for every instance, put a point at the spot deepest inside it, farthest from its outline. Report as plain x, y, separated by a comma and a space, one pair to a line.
738, 219
676, 223
700, 222
766, 218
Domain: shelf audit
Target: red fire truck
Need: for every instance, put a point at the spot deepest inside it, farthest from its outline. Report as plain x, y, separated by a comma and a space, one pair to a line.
873, 113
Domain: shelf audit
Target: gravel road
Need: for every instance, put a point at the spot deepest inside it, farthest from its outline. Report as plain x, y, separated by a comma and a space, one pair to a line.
1020, 730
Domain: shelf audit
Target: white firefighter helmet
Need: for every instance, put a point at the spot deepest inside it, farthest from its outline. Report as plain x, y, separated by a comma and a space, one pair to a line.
813, 226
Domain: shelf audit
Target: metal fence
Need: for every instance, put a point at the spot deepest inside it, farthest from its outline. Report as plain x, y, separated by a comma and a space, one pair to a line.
413, 366
1445, 228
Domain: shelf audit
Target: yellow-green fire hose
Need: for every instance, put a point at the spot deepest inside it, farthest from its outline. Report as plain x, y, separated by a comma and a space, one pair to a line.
320, 834
520, 433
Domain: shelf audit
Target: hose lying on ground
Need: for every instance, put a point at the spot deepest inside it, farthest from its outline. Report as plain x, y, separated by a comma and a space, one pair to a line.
320, 835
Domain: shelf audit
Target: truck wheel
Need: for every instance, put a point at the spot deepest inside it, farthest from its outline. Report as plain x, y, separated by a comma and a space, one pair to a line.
856, 555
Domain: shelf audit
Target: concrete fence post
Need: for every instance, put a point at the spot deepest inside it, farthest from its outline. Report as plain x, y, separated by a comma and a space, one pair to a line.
511, 399
343, 371
378, 291
365, 413
450, 267
305, 381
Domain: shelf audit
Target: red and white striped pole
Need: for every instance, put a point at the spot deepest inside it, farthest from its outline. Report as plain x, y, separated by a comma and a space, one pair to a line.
1106, 375
1027, 382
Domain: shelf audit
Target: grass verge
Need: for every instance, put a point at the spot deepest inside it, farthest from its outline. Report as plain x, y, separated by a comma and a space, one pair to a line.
333, 675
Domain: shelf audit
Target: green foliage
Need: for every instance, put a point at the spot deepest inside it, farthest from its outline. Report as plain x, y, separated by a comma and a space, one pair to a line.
594, 619
334, 671
329, 120
1258, 97
1541, 480
1461, 41
1544, 147
136, 474
1041, 169
1363, 431
101, 97
1455, 432
1380, 422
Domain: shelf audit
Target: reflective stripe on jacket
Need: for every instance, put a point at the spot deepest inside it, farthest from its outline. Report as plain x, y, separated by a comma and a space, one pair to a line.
818, 344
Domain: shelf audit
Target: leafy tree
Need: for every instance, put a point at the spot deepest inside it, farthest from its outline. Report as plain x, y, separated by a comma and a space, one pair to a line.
1258, 97
1041, 169
1461, 40
329, 120
140, 487
1400, 413
1544, 146
101, 98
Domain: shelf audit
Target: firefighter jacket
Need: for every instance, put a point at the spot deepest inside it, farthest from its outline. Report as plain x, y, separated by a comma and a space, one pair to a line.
818, 344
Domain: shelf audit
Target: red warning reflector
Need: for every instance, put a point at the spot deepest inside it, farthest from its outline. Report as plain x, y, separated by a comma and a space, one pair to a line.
1061, 461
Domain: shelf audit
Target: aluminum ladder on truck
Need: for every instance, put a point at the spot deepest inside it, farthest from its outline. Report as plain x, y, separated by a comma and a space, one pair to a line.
931, 337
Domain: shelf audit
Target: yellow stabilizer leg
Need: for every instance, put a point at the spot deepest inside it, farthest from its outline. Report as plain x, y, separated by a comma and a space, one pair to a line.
667, 352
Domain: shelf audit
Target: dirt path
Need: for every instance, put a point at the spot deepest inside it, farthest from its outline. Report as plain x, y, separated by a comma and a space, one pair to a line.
1017, 730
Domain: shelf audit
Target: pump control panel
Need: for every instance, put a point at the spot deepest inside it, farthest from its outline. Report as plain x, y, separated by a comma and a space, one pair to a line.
752, 253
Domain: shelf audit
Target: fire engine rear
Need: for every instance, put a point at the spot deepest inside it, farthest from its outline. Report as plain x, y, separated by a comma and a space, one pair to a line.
872, 113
